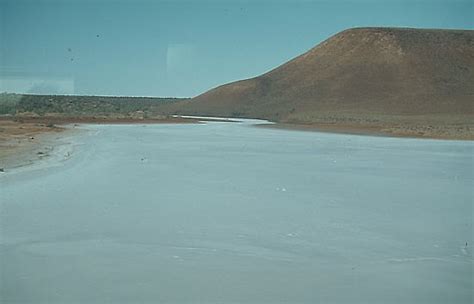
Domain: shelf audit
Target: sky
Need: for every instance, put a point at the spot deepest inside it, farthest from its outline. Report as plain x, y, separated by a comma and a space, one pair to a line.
182, 48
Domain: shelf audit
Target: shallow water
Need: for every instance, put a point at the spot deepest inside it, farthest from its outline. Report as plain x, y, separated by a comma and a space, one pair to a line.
231, 213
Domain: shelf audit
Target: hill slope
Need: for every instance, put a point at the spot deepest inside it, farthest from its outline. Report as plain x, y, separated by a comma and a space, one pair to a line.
383, 76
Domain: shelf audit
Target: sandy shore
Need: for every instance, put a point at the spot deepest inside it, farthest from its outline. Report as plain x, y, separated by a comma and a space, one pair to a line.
22, 144
453, 132
25, 141
34, 138
58, 120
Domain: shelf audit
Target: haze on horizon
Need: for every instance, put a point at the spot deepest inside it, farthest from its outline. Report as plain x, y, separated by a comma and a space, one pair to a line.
181, 48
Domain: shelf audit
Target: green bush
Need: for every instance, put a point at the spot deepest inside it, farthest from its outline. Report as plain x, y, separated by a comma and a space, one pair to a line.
9, 103
82, 106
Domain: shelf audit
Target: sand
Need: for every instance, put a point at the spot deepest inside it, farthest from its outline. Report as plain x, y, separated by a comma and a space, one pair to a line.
34, 138
21, 143
450, 132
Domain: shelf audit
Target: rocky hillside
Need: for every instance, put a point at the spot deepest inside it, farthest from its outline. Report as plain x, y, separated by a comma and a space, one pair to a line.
362, 75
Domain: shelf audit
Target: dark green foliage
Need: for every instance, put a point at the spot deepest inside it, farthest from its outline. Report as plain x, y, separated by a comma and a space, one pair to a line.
81, 106
8, 103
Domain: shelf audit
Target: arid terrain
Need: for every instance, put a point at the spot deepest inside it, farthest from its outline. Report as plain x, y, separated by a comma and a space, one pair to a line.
27, 121
409, 82
22, 141
19, 142
171, 213
380, 81
82, 107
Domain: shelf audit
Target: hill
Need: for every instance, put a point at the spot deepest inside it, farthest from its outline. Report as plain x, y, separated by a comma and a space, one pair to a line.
399, 80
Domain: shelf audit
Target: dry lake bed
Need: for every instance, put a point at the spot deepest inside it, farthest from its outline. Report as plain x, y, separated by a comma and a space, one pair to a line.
229, 213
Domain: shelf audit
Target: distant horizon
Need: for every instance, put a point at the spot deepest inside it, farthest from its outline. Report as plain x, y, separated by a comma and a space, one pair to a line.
189, 97
181, 50
95, 95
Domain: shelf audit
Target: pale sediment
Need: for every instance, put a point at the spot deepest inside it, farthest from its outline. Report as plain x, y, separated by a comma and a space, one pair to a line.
37, 138
450, 132
23, 144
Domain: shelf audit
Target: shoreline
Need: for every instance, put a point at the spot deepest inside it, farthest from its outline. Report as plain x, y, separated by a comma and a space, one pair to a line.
370, 130
98, 120
27, 140
37, 150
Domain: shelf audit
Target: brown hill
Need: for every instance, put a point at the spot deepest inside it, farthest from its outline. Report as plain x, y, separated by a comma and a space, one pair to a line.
385, 77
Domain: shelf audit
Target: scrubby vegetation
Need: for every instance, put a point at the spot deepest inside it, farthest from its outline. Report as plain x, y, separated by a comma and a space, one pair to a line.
81, 106
9, 103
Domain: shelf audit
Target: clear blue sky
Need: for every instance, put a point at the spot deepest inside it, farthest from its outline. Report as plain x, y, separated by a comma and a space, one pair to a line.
182, 48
